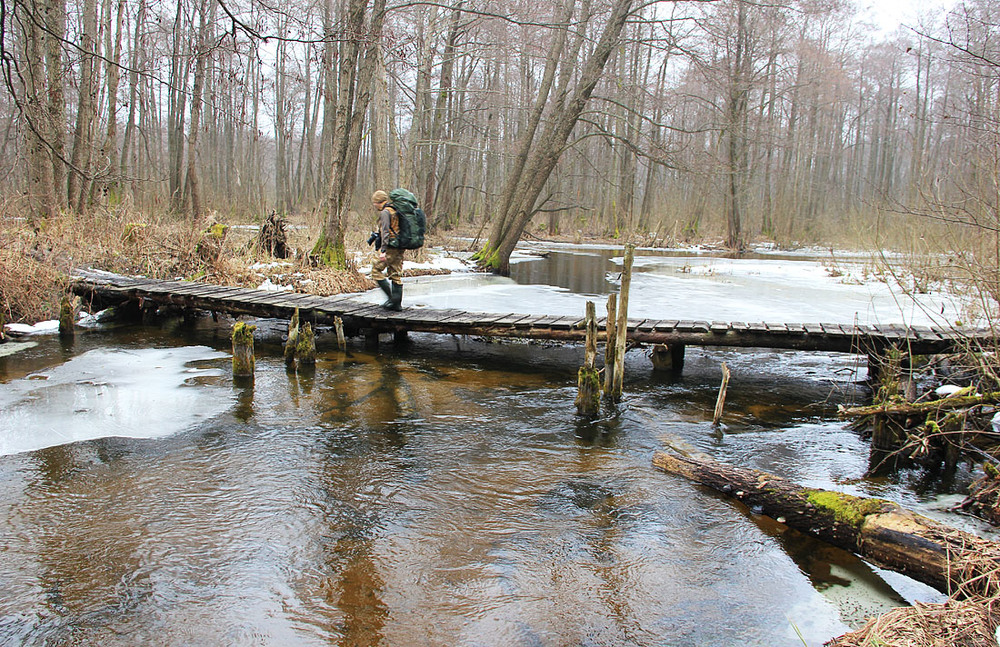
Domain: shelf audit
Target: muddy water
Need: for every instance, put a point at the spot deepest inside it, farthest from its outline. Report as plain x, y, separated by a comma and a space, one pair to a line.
440, 493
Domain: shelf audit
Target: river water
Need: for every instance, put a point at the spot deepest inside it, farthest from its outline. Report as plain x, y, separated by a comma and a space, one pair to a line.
444, 492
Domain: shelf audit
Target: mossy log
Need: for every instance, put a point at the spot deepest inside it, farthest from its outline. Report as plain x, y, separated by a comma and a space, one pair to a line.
879, 531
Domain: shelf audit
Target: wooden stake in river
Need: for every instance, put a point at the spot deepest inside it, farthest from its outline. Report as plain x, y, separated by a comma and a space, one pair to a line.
243, 360
609, 343
67, 316
293, 339
588, 381
621, 327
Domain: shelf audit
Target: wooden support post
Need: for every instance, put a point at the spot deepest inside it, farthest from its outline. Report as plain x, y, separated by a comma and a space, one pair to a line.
305, 347
338, 325
720, 402
371, 338
293, 339
609, 343
400, 337
67, 318
621, 327
668, 357
243, 359
588, 381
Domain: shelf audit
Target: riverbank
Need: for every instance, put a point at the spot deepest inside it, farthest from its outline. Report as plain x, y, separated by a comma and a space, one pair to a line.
36, 261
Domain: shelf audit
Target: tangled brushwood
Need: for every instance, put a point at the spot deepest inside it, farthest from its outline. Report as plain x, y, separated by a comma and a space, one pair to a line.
969, 618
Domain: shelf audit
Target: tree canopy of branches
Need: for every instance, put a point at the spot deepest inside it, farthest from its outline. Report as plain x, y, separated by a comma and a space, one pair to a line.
793, 121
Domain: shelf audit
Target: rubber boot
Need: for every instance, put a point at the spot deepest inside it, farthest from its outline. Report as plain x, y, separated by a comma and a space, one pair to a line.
395, 302
385, 285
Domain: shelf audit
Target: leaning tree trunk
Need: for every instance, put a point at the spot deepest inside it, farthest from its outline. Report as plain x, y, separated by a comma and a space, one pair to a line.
524, 192
879, 531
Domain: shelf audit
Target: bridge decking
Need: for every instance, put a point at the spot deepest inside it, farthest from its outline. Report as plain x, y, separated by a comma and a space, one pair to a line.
360, 317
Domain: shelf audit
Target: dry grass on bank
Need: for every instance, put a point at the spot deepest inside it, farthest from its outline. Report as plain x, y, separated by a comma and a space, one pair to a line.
35, 261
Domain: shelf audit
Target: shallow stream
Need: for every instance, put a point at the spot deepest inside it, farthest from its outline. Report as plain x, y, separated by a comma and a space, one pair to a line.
443, 492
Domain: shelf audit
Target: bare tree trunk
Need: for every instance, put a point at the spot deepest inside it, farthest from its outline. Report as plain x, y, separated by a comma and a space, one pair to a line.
83, 134
525, 187
41, 190
358, 62
177, 102
202, 54
133, 88
55, 26
108, 154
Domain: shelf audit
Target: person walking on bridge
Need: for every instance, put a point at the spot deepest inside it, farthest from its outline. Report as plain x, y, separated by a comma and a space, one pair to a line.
387, 269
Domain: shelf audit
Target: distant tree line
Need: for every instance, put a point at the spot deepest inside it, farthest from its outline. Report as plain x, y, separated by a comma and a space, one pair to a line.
664, 119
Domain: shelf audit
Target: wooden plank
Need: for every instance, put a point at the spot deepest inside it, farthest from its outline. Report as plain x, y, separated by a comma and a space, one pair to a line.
720, 327
756, 327
434, 316
547, 321
646, 325
813, 329
926, 333
529, 321
564, 323
775, 327
510, 319
795, 327
488, 318
667, 325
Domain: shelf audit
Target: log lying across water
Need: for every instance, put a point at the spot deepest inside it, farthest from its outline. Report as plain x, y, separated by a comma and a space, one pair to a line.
879, 531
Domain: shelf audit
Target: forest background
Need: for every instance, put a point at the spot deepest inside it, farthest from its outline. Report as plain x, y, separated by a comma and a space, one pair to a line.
793, 121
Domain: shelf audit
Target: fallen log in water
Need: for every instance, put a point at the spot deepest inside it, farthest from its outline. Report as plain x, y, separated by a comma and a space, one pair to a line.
880, 531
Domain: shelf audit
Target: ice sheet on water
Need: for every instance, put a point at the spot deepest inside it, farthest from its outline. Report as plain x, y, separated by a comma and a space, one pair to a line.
138, 393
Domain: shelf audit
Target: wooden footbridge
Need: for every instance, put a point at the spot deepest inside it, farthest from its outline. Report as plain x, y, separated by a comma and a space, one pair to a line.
360, 318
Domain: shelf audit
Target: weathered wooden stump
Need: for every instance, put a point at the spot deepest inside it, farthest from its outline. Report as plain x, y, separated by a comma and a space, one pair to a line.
720, 401
588, 380
67, 318
293, 339
338, 325
621, 326
305, 348
243, 358
667, 357
610, 348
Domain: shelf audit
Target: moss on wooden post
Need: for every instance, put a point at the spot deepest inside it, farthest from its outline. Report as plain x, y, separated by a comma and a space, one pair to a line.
293, 339
305, 348
67, 317
243, 359
588, 381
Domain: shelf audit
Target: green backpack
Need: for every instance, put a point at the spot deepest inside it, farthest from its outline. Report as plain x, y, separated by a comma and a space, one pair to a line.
412, 221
